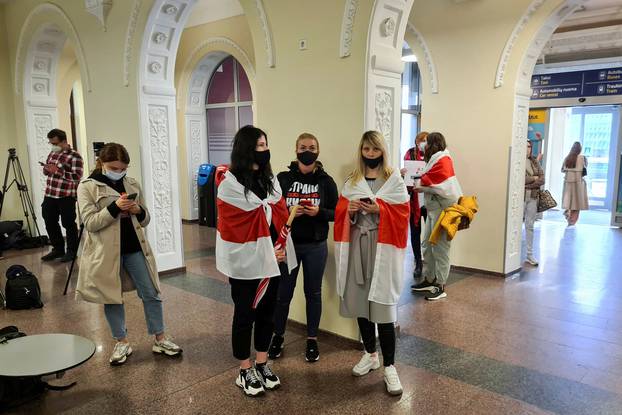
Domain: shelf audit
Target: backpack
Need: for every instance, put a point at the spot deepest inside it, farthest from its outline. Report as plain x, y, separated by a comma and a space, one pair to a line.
15, 391
22, 289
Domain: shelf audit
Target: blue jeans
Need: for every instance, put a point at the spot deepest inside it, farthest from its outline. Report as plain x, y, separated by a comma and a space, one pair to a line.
312, 256
135, 265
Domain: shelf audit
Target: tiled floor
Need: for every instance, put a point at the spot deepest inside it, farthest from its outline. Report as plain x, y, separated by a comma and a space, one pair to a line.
546, 341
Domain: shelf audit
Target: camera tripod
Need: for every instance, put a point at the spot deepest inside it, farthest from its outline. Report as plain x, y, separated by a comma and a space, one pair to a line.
13, 165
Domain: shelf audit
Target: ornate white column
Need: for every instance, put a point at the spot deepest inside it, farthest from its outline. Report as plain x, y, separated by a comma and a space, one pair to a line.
158, 125
384, 71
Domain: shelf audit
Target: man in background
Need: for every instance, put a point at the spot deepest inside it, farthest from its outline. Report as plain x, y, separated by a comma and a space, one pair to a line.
63, 169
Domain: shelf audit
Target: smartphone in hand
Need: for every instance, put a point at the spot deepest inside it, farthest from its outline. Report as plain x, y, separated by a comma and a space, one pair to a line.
132, 196
366, 200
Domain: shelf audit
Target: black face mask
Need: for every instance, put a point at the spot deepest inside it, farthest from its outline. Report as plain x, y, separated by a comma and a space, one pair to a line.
372, 163
262, 158
307, 157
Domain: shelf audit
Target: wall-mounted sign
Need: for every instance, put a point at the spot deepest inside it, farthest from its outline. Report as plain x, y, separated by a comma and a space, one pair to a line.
593, 83
536, 130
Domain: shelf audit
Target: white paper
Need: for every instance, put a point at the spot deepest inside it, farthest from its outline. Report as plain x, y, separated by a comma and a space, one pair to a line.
414, 168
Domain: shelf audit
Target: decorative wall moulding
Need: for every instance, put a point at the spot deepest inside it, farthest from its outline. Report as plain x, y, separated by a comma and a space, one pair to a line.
46, 40
159, 90
129, 39
267, 33
170, 9
387, 27
384, 112
160, 37
241, 55
155, 67
99, 9
347, 25
427, 57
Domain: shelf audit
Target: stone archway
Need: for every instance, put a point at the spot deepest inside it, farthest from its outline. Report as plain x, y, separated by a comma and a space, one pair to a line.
35, 76
213, 51
516, 182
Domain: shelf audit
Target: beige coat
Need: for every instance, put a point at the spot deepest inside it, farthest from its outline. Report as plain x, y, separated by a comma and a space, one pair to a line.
101, 278
575, 189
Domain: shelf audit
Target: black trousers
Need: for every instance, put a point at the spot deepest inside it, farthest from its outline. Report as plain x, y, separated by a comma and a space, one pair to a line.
415, 236
65, 208
386, 334
245, 318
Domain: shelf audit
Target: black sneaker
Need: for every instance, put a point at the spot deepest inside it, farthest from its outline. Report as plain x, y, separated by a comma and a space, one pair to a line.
268, 379
249, 381
52, 255
313, 352
437, 294
425, 285
276, 347
68, 257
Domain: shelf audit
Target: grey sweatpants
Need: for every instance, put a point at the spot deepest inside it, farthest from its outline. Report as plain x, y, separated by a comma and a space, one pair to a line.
435, 257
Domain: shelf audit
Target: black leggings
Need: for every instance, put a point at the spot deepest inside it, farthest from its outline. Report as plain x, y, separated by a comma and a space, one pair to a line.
244, 317
386, 333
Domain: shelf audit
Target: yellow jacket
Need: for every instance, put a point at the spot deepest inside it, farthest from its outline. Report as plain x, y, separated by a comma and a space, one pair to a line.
450, 218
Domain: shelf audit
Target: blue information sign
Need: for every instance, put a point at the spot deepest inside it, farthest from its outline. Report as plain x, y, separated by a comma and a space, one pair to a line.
593, 83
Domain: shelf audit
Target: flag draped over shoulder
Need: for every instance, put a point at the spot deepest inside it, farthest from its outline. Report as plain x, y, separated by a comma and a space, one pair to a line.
387, 277
244, 249
439, 177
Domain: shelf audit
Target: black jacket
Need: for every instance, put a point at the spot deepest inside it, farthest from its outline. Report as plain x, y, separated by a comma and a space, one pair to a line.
308, 229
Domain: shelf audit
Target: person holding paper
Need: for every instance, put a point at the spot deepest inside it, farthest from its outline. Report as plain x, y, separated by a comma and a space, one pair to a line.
417, 208
441, 190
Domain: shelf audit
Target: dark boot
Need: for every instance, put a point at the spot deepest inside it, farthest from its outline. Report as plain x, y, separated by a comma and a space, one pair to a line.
53, 254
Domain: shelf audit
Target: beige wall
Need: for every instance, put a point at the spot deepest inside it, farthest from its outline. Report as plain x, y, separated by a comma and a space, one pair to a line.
316, 91
189, 55
475, 118
8, 139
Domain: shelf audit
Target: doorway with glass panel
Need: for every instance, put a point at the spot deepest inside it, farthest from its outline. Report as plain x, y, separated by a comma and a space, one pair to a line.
597, 129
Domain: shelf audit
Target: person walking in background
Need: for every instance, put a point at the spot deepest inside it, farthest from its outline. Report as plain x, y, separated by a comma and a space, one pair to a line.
371, 232
251, 213
575, 198
116, 256
63, 168
534, 180
309, 187
417, 210
441, 190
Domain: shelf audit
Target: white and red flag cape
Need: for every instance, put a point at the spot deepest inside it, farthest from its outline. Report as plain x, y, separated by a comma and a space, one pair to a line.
388, 273
244, 248
439, 177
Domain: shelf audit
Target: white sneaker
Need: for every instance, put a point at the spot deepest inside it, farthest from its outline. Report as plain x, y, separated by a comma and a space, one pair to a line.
120, 353
392, 381
531, 261
366, 364
249, 381
167, 347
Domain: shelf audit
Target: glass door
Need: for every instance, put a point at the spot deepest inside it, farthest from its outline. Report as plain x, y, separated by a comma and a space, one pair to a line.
597, 130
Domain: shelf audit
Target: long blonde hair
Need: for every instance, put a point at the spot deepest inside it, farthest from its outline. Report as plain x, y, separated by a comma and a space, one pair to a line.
374, 139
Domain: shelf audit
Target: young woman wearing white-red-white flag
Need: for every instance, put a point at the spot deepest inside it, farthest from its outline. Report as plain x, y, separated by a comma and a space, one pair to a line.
441, 190
371, 232
251, 213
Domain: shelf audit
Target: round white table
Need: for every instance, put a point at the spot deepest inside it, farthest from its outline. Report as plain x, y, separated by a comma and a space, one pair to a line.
44, 354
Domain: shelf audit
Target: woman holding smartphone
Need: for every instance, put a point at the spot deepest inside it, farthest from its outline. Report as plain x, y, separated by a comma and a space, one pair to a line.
309, 187
116, 256
371, 232
251, 213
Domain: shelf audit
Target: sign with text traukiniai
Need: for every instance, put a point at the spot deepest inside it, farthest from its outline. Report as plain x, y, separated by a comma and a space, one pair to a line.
593, 83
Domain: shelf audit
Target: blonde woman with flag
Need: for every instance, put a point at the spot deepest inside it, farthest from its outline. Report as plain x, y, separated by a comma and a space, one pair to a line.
371, 232
441, 190
251, 213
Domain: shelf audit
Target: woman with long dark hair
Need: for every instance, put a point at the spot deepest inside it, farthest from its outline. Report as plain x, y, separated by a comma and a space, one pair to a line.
251, 213
116, 256
441, 190
574, 197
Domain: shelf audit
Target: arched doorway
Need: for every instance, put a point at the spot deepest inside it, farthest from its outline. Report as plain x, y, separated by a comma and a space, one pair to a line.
219, 101
38, 72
